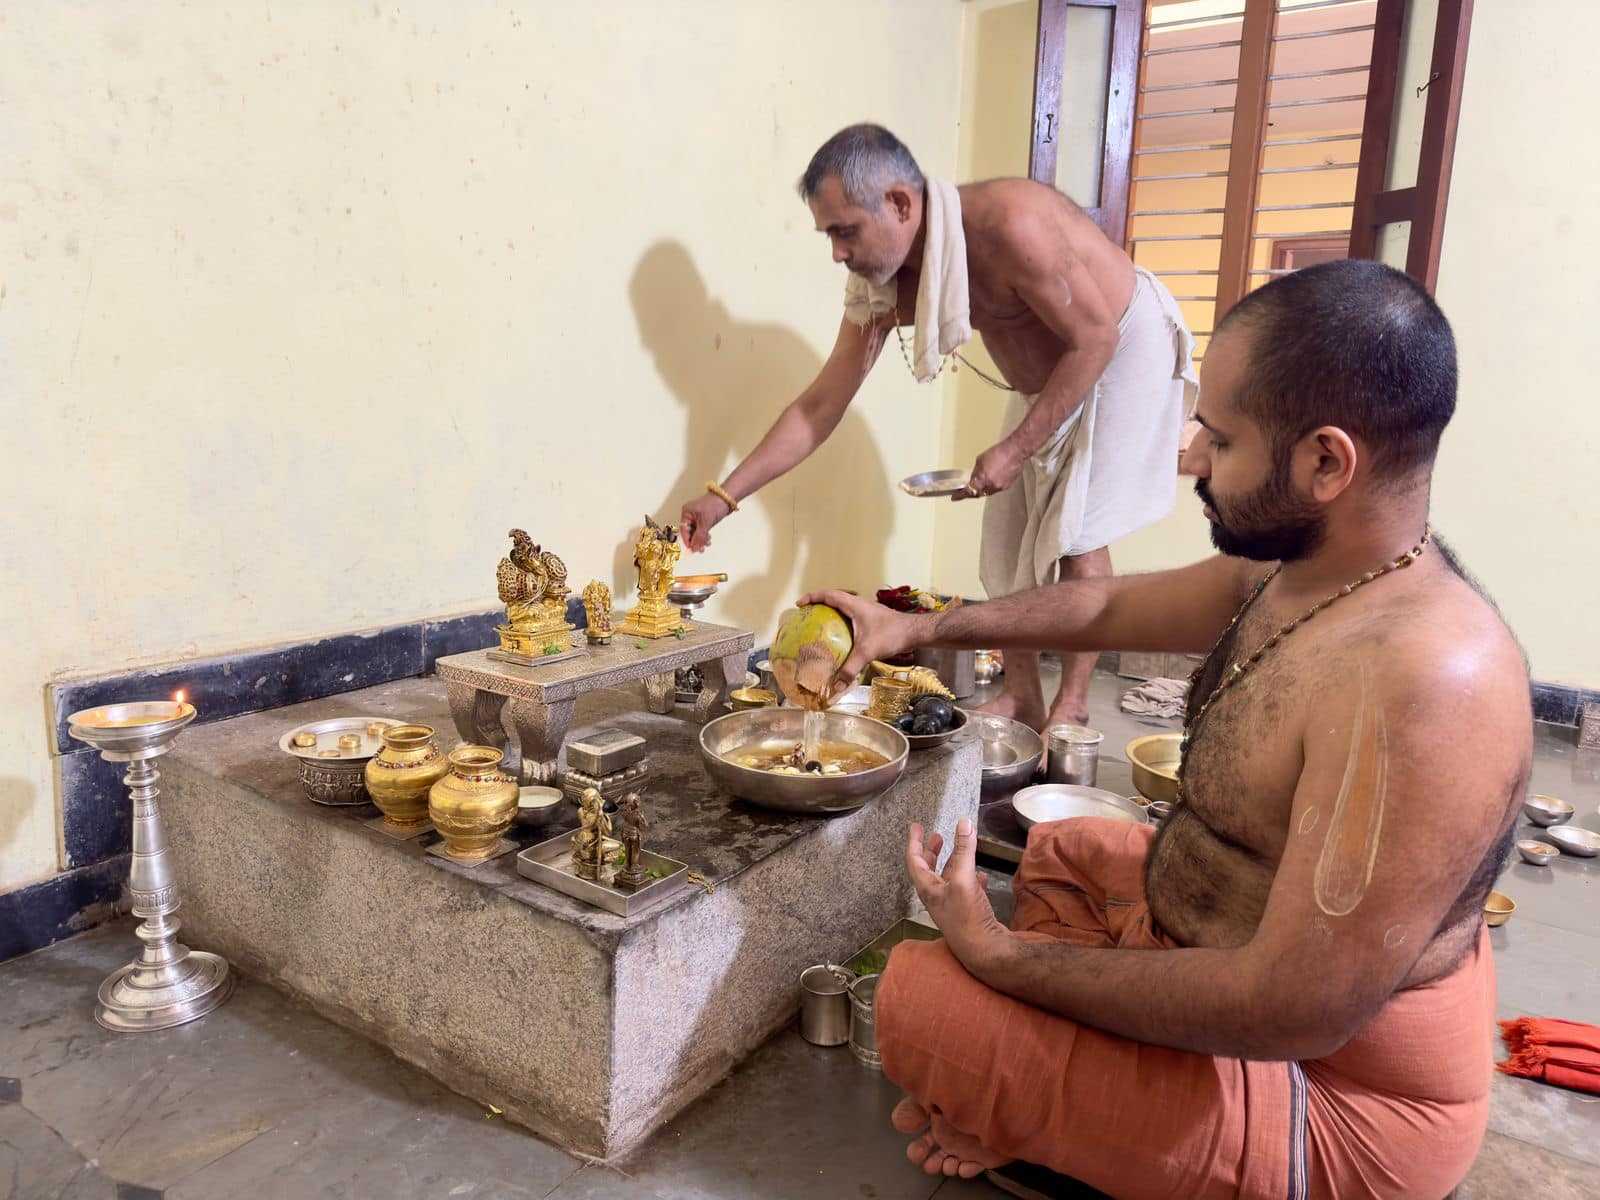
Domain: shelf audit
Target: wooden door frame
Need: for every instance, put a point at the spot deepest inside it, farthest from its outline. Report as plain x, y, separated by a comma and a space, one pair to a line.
1110, 211
1423, 203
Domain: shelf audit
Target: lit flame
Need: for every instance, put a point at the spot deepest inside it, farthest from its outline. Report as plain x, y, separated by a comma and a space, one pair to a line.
178, 698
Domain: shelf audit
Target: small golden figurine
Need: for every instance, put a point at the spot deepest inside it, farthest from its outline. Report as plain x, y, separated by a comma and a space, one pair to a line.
655, 553
634, 825
594, 827
597, 611
533, 586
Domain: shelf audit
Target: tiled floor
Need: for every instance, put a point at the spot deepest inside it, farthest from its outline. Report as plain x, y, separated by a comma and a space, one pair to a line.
263, 1099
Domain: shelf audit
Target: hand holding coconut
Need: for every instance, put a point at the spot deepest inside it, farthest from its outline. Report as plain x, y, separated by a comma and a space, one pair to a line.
878, 633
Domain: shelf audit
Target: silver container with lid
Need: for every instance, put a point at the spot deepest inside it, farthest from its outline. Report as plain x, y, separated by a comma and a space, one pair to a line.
1072, 754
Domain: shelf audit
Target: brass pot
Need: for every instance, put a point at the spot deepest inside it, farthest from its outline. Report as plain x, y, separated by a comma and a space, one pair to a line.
474, 804
399, 777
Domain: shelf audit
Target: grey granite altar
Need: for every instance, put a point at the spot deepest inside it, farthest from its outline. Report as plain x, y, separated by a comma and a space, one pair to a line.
588, 1028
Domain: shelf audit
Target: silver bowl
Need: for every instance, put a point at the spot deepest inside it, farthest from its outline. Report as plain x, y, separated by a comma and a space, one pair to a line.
339, 781
801, 793
1011, 753
1545, 811
1059, 801
917, 741
1574, 839
538, 806
1539, 854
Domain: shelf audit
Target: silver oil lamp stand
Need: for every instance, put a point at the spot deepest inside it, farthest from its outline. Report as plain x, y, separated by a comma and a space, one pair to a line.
168, 984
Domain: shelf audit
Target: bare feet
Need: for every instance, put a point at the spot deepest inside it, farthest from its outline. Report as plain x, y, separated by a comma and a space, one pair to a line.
1064, 712
1018, 708
942, 1149
909, 1116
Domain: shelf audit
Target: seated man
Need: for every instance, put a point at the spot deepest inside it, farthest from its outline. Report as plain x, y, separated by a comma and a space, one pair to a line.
1288, 990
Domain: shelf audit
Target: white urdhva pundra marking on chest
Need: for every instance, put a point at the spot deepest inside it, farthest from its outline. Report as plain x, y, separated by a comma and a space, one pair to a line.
1350, 848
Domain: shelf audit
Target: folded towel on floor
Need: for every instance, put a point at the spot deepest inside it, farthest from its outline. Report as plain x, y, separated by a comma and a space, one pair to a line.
1565, 1053
1156, 698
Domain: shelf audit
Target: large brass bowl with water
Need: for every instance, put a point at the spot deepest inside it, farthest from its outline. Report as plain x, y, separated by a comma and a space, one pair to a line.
763, 727
1153, 760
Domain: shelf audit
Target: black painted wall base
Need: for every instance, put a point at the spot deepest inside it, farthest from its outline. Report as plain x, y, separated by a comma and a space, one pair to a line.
56, 908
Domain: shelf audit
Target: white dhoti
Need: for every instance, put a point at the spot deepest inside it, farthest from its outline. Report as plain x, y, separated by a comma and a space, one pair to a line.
1112, 467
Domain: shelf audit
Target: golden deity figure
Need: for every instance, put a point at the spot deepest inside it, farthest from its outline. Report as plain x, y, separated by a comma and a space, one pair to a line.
594, 828
655, 553
533, 586
597, 611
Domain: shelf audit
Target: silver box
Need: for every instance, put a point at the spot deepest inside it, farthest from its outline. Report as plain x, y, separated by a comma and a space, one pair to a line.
605, 752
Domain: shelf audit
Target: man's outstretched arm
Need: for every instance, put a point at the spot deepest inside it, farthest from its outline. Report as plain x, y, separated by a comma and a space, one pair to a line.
1183, 610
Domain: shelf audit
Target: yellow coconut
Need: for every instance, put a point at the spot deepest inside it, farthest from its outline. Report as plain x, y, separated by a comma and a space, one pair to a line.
810, 646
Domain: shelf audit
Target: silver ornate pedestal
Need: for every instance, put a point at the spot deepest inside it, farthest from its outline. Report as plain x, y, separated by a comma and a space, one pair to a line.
168, 984
537, 702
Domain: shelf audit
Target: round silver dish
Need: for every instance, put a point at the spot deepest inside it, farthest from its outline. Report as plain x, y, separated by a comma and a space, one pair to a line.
1011, 754
340, 781
1538, 853
801, 793
934, 483
1574, 839
1059, 801
917, 741
1547, 811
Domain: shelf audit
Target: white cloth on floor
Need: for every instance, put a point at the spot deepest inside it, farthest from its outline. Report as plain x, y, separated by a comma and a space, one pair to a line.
943, 319
1157, 698
1111, 467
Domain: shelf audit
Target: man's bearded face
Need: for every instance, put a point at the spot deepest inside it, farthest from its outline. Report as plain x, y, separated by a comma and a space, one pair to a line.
1273, 523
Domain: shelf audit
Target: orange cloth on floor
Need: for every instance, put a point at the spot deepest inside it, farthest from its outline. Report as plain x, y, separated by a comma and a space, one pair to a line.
1565, 1053
1399, 1111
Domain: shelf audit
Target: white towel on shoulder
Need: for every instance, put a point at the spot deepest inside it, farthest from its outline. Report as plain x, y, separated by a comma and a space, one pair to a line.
943, 315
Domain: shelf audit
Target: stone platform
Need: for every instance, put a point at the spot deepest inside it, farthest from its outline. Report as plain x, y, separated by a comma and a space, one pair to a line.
588, 1028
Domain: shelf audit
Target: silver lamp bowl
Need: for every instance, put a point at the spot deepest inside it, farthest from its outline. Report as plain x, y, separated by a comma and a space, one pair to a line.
801, 793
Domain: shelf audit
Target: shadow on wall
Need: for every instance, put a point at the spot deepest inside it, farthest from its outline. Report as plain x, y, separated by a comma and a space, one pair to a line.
830, 517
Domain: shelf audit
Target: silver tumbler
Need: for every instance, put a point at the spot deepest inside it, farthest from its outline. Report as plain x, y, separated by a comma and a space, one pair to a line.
1074, 754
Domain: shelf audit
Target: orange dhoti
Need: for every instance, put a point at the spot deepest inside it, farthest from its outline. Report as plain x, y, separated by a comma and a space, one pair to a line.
1399, 1111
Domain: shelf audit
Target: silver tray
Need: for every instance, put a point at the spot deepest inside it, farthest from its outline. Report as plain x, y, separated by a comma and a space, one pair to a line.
933, 484
550, 863
328, 732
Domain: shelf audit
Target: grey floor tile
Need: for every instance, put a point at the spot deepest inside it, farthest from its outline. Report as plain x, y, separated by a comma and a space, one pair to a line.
1547, 972
36, 1163
1507, 1169
795, 1120
1565, 894
1559, 1120
259, 1092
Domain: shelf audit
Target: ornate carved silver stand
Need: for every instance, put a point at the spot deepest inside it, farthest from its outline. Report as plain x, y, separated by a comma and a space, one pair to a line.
168, 984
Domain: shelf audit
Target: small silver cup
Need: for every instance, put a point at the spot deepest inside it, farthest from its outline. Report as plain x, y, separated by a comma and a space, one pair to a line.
824, 1006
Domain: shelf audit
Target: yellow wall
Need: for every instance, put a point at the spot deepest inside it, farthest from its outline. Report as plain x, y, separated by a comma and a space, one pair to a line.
303, 305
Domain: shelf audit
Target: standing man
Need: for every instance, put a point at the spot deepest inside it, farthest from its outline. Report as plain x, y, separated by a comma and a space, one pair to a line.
1094, 348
